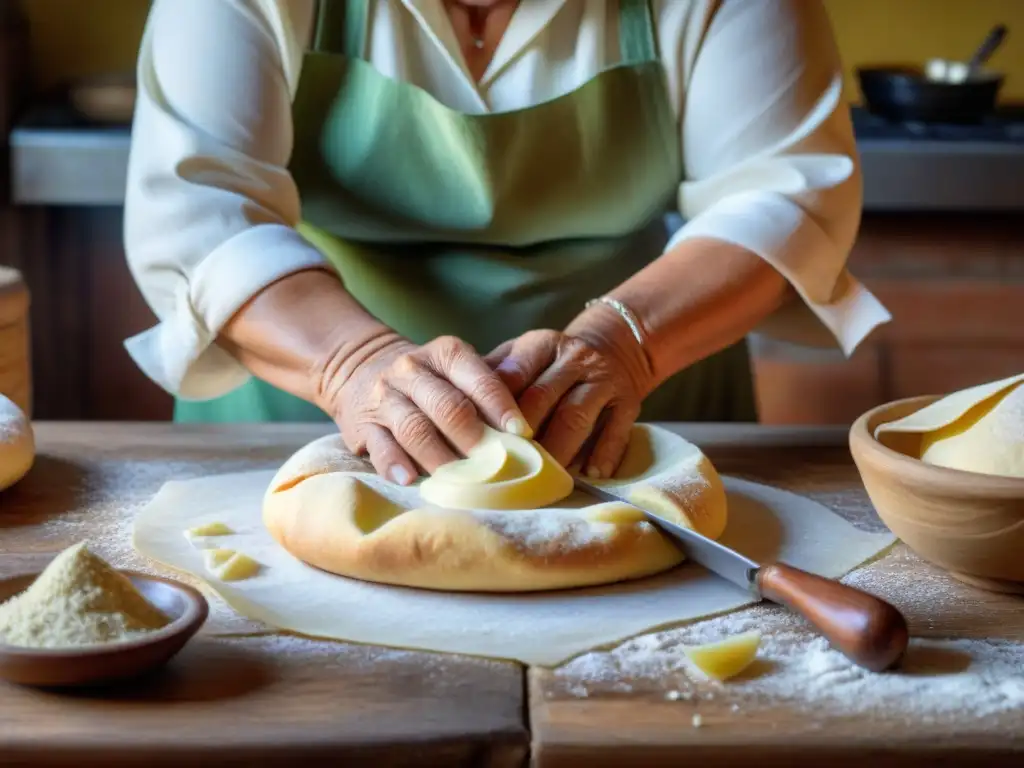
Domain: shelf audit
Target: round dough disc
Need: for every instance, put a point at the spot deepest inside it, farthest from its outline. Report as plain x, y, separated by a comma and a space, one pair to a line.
330, 510
17, 444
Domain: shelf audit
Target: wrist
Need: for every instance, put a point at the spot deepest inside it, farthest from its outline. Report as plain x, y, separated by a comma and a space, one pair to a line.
291, 332
335, 366
605, 329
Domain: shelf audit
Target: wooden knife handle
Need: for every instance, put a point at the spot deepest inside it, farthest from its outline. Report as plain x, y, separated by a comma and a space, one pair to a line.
866, 629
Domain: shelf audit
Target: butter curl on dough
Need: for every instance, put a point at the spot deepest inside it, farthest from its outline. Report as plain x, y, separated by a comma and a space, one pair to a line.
330, 510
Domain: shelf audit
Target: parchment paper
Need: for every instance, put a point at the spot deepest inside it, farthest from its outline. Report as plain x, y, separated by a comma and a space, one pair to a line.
542, 629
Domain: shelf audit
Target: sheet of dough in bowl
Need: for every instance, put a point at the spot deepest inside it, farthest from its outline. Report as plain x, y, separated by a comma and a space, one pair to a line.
948, 409
543, 629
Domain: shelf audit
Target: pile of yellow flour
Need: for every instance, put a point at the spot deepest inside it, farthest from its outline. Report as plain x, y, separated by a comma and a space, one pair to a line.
78, 600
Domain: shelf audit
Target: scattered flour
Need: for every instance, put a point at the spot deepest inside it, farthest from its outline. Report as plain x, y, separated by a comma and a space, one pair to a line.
545, 533
96, 499
1008, 417
948, 678
12, 421
941, 680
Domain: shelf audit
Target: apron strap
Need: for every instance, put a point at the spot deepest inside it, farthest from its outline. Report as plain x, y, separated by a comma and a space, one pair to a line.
637, 42
341, 27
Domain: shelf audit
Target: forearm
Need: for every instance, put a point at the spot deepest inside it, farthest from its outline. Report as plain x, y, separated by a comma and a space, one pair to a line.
302, 329
695, 300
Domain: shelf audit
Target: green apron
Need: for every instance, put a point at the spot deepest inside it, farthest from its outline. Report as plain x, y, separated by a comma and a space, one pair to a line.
486, 226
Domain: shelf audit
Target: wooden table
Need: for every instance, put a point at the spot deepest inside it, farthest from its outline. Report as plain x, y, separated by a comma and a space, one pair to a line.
269, 699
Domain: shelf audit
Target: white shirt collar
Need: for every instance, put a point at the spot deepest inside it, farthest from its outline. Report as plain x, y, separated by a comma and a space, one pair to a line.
528, 21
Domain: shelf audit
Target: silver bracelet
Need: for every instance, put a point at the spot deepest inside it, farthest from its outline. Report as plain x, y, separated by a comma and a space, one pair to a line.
625, 313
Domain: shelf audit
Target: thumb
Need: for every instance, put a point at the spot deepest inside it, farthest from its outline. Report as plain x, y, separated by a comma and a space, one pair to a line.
524, 359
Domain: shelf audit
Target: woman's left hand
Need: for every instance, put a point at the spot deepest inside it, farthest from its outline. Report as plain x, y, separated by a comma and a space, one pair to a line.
578, 390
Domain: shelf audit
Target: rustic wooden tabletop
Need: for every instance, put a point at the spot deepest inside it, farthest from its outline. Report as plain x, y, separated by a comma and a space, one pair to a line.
241, 694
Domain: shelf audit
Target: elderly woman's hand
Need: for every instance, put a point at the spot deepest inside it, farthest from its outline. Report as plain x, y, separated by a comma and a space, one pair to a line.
407, 405
580, 390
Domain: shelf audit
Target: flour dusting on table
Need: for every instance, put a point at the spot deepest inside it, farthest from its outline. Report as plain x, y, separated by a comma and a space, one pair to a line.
94, 515
942, 679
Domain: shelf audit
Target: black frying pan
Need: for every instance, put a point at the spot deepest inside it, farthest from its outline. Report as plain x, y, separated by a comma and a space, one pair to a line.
916, 93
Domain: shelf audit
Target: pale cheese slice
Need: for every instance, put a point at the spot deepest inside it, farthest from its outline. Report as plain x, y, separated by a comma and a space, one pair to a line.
204, 530
528, 478
725, 658
229, 565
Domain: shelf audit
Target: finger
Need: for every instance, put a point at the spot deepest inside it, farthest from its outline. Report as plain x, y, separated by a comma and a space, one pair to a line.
612, 440
452, 412
527, 358
463, 367
582, 456
496, 355
387, 456
415, 432
573, 420
538, 401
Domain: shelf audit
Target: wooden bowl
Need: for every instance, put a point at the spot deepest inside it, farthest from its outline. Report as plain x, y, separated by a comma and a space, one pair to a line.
109, 662
969, 523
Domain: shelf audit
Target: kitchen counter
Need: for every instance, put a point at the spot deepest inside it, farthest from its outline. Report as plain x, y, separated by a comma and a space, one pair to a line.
241, 693
230, 697
57, 160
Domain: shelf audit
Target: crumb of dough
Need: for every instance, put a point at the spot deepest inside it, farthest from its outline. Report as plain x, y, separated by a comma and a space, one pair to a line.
229, 565
208, 529
77, 600
215, 558
239, 567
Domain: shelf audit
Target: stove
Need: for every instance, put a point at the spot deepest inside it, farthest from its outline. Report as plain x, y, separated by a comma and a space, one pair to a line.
59, 159
1005, 126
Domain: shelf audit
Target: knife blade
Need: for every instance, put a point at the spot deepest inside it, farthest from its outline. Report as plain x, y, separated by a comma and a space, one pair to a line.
717, 558
866, 629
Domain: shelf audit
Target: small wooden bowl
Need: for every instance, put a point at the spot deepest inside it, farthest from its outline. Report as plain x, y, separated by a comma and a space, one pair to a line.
109, 662
969, 523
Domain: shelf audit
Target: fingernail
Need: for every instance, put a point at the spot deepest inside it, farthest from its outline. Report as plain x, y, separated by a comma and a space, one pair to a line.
508, 365
606, 471
399, 475
593, 473
518, 426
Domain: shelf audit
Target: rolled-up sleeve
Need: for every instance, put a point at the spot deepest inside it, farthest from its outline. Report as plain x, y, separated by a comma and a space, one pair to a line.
770, 158
210, 210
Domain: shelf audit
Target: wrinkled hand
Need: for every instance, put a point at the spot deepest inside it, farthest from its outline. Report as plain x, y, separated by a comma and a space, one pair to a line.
409, 406
581, 394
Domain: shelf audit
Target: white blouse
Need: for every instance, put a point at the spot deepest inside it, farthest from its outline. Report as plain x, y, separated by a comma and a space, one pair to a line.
770, 159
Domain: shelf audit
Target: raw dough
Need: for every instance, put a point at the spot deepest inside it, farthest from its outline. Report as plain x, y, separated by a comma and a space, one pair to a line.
229, 565
988, 439
208, 529
980, 429
353, 523
17, 444
239, 566
215, 558
503, 471
544, 628
726, 658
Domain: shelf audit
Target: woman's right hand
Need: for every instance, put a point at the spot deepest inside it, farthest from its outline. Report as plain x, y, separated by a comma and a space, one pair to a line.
408, 406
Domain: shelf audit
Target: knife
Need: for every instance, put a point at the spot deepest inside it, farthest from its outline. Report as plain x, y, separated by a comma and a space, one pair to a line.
866, 629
